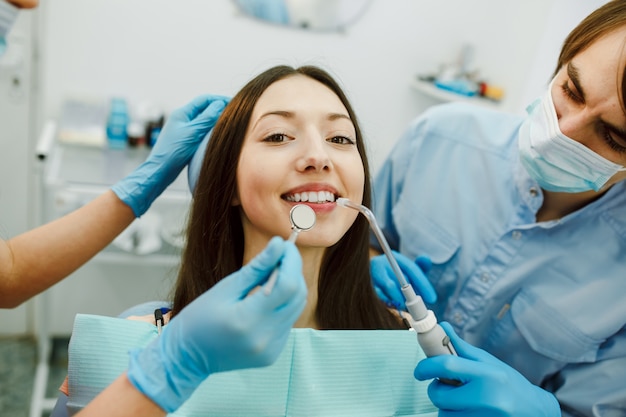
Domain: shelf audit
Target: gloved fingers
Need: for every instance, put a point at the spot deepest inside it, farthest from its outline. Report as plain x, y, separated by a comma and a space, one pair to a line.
449, 398
424, 262
196, 106
464, 349
385, 282
289, 287
416, 277
209, 116
239, 283
440, 366
461, 369
290, 283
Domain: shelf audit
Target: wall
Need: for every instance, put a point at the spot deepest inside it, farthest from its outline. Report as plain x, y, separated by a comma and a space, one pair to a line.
169, 52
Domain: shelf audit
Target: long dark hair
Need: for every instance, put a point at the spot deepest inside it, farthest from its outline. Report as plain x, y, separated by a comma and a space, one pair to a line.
215, 240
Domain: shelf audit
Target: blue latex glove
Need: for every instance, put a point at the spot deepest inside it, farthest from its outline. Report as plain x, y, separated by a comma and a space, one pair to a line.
491, 388
387, 285
176, 144
224, 329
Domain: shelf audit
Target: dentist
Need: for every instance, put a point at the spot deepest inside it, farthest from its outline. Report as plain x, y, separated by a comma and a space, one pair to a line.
524, 220
225, 328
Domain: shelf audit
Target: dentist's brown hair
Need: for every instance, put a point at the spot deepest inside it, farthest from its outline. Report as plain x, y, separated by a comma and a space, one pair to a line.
602, 21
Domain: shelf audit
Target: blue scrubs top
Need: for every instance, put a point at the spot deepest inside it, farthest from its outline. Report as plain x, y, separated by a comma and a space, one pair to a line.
547, 298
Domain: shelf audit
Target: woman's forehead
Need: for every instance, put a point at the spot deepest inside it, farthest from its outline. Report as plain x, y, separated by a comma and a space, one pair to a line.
298, 93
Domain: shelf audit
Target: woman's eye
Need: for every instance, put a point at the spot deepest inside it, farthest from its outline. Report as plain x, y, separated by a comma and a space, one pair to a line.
276, 138
341, 140
570, 93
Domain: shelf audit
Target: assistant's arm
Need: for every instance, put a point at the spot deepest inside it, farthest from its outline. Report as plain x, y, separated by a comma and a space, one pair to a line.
37, 259
121, 399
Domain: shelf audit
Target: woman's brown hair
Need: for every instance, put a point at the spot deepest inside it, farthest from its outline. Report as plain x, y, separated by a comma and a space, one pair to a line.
215, 240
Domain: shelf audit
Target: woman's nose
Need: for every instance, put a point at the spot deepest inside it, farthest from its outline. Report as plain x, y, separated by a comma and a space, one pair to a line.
314, 156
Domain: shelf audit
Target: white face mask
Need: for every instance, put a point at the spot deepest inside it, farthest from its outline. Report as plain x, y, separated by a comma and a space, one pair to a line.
8, 14
555, 161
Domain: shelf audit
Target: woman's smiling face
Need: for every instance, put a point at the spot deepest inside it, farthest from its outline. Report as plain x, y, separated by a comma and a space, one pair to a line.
300, 147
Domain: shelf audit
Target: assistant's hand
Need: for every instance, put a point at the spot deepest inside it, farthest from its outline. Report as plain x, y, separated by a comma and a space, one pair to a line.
176, 144
224, 329
387, 285
490, 387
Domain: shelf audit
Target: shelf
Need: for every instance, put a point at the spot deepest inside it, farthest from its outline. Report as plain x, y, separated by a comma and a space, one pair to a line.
431, 90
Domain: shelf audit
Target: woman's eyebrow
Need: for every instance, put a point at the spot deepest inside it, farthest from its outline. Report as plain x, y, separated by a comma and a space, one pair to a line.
281, 113
289, 115
336, 116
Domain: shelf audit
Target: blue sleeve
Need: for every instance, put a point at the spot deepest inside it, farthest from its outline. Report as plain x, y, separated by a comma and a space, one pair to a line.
389, 182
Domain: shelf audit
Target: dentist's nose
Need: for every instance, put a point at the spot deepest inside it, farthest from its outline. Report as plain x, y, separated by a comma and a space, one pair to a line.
314, 156
575, 120
577, 124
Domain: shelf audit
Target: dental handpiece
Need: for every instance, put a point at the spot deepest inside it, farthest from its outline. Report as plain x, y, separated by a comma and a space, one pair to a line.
430, 335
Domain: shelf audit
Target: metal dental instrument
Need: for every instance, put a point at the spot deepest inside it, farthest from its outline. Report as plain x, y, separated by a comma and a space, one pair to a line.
302, 218
430, 335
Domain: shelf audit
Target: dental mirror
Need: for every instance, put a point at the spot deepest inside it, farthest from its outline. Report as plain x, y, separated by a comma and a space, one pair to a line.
302, 218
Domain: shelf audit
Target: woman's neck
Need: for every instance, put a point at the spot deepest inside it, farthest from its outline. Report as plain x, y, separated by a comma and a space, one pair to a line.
311, 265
558, 205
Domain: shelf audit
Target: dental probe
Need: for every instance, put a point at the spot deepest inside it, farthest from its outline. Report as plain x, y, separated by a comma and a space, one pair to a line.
430, 335
302, 218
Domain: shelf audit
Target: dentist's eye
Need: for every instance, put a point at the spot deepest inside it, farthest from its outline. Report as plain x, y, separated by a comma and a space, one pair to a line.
276, 138
570, 93
613, 144
341, 140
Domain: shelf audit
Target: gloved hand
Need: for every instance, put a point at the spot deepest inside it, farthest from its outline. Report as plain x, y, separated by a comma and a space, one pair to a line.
175, 146
387, 285
224, 329
490, 387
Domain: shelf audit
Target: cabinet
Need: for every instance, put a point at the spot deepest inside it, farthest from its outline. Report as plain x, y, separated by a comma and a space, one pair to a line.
139, 266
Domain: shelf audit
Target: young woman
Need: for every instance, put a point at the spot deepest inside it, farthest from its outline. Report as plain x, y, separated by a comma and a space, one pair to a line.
289, 136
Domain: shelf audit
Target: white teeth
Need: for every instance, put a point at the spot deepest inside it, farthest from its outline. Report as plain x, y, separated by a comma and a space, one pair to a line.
312, 197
